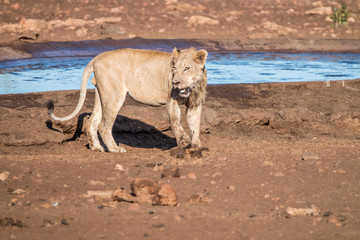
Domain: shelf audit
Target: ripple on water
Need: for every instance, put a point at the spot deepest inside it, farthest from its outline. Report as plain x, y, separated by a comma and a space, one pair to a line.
64, 73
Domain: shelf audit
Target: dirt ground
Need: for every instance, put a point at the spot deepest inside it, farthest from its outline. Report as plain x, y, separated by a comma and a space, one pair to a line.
272, 147
74, 20
283, 159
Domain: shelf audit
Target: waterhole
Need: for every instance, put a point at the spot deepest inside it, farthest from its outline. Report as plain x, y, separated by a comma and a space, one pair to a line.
64, 72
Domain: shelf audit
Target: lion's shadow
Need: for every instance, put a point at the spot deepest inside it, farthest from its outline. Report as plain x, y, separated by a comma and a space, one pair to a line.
127, 131
135, 133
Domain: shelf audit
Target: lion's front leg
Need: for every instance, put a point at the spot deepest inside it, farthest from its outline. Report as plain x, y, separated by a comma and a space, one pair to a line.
194, 117
182, 138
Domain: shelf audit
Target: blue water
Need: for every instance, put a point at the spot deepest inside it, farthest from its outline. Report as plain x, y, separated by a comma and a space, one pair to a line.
64, 73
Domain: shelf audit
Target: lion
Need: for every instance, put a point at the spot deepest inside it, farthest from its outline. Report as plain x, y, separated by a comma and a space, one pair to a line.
150, 77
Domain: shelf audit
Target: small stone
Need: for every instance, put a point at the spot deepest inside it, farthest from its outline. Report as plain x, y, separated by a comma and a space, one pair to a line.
82, 32
117, 9
222, 159
96, 183
100, 194
339, 171
231, 188
351, 20
328, 19
64, 222
16, 6
290, 11
217, 174
201, 20
313, 211
198, 198
319, 11
121, 168
107, 20
4, 176
158, 225
54, 203
333, 219
18, 191
120, 195
178, 218
327, 214
318, 4
279, 174
171, 172
143, 187
166, 196
310, 156
212, 182
192, 176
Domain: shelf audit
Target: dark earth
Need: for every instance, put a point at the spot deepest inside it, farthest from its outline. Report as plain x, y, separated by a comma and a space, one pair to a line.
283, 159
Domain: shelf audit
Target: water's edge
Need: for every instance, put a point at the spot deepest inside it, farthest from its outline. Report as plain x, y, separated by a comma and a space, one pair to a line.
19, 49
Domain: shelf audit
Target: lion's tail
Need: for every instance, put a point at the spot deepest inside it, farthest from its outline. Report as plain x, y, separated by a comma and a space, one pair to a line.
84, 80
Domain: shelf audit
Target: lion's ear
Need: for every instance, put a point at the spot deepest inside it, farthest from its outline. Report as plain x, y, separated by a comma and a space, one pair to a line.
174, 56
175, 53
201, 57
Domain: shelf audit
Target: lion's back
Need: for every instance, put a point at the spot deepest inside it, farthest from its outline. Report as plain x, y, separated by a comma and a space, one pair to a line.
144, 72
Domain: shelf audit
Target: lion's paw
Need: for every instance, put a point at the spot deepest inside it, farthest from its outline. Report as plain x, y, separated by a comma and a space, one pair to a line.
117, 149
184, 141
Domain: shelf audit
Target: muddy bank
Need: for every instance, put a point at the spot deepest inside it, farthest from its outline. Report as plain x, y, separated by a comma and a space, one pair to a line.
319, 105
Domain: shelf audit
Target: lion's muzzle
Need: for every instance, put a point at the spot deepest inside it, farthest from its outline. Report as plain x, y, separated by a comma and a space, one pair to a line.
181, 90
185, 92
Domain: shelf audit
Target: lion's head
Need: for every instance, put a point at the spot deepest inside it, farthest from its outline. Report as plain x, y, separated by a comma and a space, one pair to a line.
188, 66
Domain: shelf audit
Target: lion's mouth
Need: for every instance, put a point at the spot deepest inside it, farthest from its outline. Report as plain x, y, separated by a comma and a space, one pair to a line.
185, 92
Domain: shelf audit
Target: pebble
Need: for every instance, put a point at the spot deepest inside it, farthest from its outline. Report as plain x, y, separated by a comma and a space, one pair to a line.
100, 194
310, 156
279, 174
222, 159
64, 222
121, 168
177, 218
231, 188
201, 20
313, 211
319, 11
10, 222
4, 176
82, 32
18, 191
198, 198
96, 183
217, 174
192, 176
171, 173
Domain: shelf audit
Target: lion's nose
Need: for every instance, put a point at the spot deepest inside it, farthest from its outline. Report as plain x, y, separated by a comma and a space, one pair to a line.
176, 83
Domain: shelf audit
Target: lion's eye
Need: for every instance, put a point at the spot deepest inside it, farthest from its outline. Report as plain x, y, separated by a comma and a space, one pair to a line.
186, 69
174, 69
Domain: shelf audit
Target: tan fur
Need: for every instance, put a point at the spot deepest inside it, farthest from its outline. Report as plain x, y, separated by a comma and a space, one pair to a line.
150, 77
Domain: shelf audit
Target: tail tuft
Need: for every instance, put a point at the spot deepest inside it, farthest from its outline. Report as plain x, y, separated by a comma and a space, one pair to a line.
50, 107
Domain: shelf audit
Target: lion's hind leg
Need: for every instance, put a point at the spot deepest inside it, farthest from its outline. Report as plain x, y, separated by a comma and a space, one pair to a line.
111, 102
95, 120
